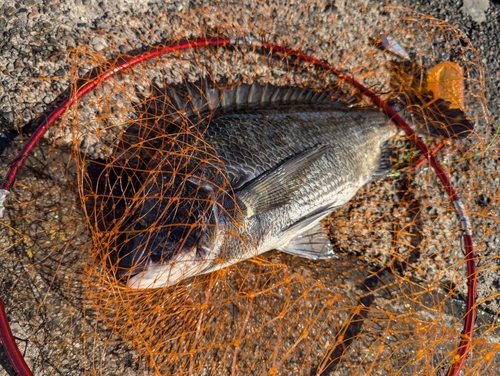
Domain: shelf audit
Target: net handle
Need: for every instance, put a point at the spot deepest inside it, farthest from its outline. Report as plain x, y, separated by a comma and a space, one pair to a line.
10, 346
466, 336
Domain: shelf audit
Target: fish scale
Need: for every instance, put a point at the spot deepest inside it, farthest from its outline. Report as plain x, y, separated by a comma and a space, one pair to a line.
355, 145
286, 131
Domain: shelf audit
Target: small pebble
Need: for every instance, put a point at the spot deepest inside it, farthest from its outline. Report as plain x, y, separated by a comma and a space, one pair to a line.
10, 11
8, 116
27, 115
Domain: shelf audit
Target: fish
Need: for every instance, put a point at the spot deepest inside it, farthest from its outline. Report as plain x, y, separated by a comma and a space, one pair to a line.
253, 168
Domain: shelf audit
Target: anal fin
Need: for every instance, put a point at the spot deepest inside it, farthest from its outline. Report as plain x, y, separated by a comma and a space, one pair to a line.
312, 244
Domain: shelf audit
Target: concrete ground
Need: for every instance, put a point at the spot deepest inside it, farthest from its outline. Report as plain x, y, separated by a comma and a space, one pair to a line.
278, 314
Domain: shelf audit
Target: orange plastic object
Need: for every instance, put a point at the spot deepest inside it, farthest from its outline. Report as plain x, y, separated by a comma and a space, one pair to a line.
446, 81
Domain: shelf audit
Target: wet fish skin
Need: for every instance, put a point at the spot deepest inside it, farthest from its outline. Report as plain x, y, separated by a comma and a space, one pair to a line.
288, 164
254, 141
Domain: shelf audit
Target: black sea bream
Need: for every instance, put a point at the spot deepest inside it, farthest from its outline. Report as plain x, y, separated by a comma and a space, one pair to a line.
268, 164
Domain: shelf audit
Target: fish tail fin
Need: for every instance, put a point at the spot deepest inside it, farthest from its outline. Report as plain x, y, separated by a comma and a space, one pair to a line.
432, 116
426, 114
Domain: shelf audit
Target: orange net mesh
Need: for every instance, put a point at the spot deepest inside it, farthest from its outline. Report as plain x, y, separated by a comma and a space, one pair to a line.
392, 302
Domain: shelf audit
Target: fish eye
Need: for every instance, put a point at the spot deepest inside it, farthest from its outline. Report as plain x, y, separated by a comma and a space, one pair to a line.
140, 225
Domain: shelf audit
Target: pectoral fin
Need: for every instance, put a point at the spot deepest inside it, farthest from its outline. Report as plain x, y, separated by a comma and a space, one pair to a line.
277, 187
312, 244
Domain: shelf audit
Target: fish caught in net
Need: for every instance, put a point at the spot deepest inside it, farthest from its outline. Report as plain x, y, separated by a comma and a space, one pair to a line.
233, 210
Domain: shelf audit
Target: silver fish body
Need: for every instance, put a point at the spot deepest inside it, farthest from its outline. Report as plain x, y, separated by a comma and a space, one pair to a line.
262, 177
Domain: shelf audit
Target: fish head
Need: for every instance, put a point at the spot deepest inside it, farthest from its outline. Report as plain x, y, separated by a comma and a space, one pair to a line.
167, 263
170, 240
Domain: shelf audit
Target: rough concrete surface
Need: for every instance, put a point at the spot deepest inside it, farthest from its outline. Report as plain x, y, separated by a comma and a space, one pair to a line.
44, 292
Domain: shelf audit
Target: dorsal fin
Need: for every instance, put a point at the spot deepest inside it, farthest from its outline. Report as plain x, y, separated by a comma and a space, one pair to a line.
197, 99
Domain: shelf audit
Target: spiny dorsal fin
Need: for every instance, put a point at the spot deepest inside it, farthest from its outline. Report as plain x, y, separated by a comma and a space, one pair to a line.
197, 99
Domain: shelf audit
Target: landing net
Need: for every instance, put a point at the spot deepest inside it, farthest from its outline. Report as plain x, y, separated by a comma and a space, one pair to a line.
391, 303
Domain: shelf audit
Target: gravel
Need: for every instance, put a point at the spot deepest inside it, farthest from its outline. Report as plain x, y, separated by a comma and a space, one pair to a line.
47, 310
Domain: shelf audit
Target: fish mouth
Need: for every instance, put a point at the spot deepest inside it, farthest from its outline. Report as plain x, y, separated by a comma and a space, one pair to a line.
167, 274
138, 269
